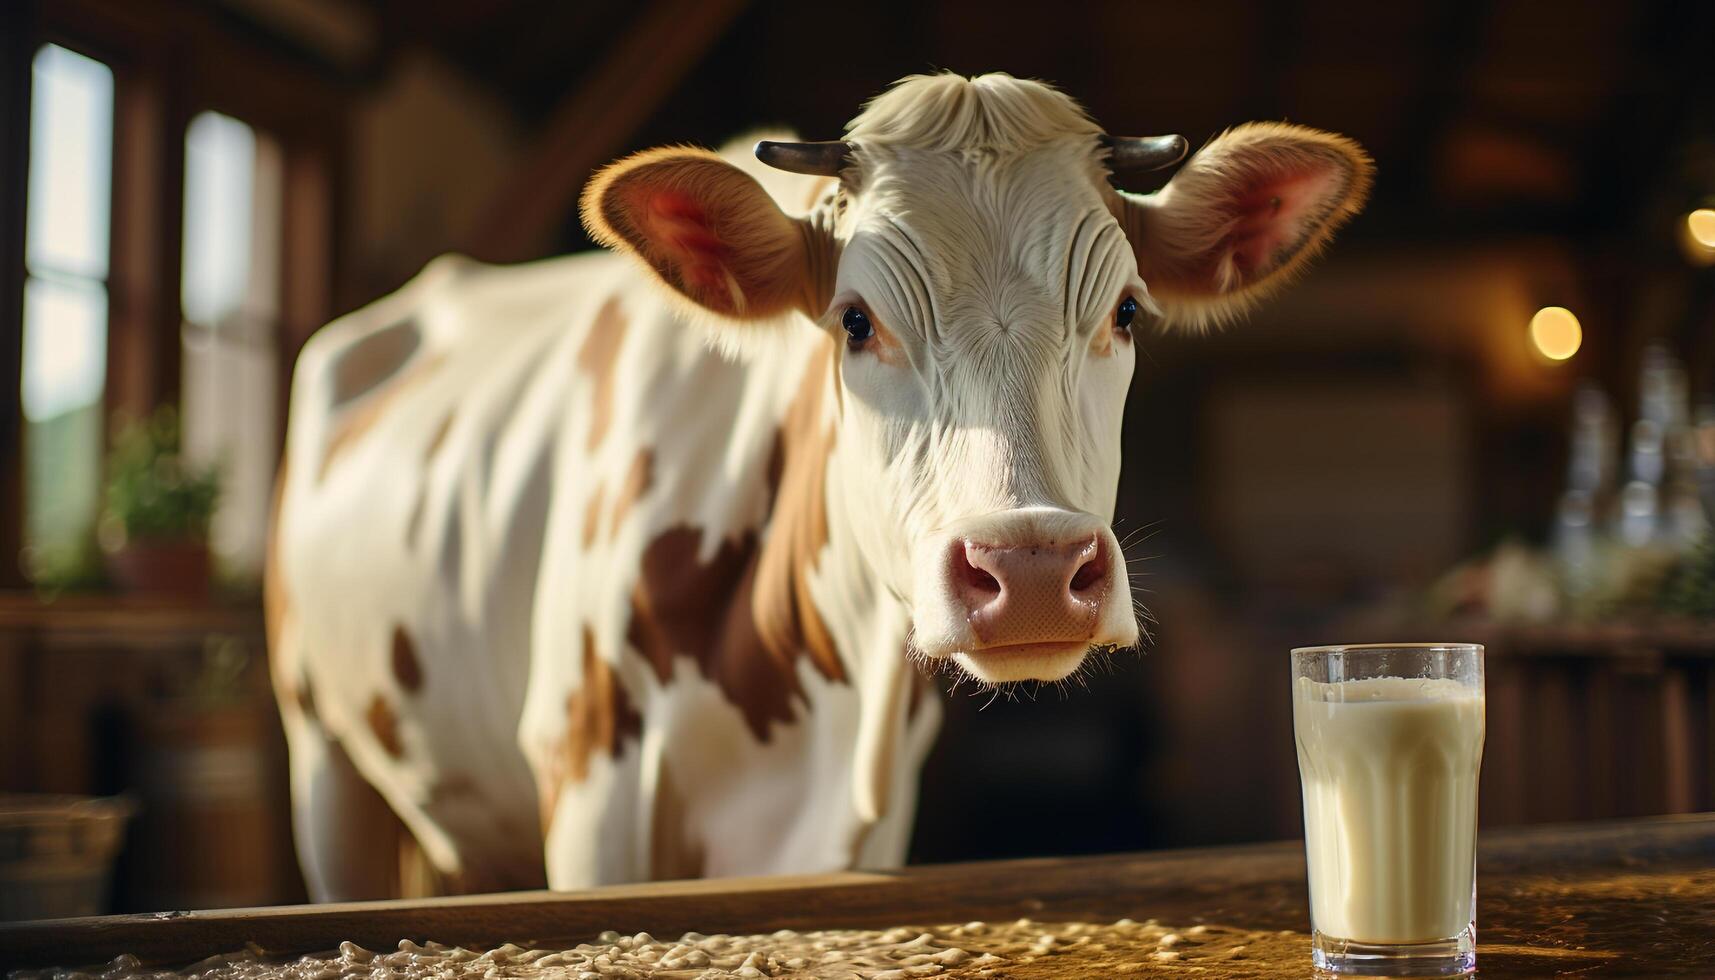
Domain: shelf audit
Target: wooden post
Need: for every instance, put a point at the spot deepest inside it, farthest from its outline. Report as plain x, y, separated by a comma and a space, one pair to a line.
137, 278
17, 43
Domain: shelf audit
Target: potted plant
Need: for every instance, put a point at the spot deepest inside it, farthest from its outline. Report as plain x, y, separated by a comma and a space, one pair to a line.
155, 520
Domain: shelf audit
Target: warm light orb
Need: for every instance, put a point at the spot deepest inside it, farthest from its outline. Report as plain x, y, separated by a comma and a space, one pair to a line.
1697, 236
1556, 333
1700, 227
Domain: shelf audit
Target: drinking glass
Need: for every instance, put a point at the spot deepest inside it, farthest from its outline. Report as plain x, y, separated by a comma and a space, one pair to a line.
1390, 742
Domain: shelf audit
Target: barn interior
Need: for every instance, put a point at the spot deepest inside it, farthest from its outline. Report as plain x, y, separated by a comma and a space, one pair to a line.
1487, 414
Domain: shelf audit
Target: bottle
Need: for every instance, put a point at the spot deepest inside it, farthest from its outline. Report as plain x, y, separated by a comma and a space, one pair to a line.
1589, 490
1659, 506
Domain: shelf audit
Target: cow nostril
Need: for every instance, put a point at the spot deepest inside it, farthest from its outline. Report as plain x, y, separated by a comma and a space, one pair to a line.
1089, 574
974, 577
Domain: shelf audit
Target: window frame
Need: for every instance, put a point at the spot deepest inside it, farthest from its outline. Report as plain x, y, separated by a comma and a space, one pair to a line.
18, 44
169, 63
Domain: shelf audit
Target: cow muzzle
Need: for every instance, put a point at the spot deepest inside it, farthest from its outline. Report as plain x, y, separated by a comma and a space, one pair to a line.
1024, 594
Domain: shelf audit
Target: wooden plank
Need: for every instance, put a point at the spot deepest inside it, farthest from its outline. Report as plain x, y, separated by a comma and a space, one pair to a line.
1261, 886
16, 737
1555, 729
1678, 734
1001, 889
1503, 799
95, 617
1603, 739
591, 124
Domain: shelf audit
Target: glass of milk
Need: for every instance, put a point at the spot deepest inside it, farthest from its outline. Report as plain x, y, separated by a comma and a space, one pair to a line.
1390, 741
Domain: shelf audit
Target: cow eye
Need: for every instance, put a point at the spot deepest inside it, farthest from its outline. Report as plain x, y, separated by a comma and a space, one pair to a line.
1126, 313
857, 325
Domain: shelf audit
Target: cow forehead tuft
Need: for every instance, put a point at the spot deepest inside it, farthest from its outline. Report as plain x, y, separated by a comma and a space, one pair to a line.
949, 111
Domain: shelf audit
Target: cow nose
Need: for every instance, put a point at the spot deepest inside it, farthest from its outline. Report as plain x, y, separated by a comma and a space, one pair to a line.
1037, 592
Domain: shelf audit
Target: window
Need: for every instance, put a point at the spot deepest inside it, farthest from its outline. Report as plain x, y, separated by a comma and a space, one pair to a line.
130, 296
230, 297
67, 229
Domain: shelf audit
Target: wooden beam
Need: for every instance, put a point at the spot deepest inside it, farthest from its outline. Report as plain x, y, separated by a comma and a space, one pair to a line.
592, 122
1445, 76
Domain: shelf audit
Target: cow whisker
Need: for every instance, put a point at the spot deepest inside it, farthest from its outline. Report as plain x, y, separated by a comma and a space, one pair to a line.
1146, 531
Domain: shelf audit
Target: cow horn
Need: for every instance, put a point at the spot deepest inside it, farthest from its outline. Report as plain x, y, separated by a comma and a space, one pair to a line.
824, 159
1140, 154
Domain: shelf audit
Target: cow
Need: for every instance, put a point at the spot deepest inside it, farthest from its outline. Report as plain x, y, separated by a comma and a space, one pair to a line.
633, 564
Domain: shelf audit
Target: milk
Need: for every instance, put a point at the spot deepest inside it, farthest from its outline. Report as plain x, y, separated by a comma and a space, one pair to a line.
1389, 768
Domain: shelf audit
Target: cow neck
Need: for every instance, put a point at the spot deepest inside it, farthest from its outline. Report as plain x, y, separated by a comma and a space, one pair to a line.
872, 624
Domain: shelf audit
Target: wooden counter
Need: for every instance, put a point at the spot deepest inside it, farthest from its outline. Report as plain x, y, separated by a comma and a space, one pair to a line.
1615, 899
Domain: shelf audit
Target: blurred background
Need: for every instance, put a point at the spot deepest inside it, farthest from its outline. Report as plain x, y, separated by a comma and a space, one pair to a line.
1488, 414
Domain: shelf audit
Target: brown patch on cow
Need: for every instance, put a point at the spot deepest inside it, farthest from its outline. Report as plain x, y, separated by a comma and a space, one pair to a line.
685, 606
599, 718
592, 516
745, 614
407, 670
597, 356
786, 614
305, 698
454, 787
638, 480
384, 725
599, 715
355, 423
673, 855
372, 356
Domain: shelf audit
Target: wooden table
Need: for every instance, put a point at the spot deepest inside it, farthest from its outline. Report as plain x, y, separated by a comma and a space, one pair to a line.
1616, 899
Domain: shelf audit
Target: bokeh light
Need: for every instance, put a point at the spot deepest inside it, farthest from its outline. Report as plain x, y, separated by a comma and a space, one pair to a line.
1701, 226
1556, 333
1697, 236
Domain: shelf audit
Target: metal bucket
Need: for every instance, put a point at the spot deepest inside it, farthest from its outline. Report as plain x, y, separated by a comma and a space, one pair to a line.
56, 853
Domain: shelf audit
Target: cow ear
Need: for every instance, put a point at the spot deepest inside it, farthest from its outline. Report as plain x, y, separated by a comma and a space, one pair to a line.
707, 230
1242, 217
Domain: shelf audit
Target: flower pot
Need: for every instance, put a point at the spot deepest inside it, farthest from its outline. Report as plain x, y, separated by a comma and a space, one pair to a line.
175, 568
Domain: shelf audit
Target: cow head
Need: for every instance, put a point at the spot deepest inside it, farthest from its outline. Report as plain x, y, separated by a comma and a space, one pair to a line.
986, 287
